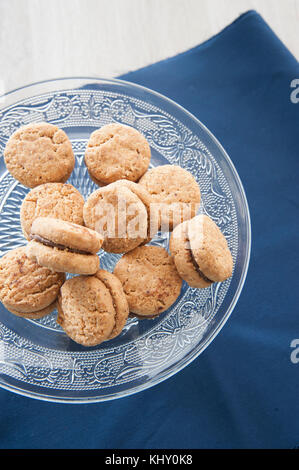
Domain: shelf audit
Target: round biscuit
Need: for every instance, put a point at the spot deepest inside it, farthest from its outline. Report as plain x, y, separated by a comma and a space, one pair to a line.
39, 153
119, 215
180, 250
56, 200
209, 248
25, 286
116, 151
174, 191
149, 279
85, 310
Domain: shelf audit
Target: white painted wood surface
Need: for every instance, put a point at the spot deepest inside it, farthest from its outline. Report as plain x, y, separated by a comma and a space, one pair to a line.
41, 39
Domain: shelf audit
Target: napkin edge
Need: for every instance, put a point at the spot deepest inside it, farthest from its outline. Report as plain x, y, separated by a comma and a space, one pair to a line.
198, 46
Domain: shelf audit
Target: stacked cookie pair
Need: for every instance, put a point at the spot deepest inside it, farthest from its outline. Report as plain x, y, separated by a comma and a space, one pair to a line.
91, 309
33, 278
166, 198
65, 233
92, 306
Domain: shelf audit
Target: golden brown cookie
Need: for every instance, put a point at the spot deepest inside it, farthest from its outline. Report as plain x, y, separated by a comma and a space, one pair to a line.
149, 279
115, 152
200, 252
27, 289
119, 300
179, 247
85, 310
63, 246
62, 259
120, 212
39, 153
56, 200
174, 191
209, 248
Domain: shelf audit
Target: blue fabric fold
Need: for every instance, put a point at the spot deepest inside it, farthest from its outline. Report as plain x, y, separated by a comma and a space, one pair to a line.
242, 391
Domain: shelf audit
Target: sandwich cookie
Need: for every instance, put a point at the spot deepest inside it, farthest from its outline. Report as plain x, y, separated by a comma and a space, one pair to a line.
92, 309
56, 200
119, 300
85, 310
121, 212
63, 246
149, 279
115, 152
200, 252
27, 289
39, 153
174, 191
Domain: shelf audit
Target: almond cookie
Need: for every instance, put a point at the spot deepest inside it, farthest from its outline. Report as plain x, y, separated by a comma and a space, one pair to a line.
149, 279
27, 289
56, 200
179, 247
117, 152
121, 213
209, 248
63, 246
119, 300
200, 252
174, 191
39, 153
85, 310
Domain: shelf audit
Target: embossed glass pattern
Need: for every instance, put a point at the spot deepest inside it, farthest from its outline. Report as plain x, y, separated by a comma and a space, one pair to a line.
37, 359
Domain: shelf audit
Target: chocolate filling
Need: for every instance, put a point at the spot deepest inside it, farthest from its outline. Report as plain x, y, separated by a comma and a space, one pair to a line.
199, 272
46, 242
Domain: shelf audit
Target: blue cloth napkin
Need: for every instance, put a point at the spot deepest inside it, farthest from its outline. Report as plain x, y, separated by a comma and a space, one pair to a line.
243, 390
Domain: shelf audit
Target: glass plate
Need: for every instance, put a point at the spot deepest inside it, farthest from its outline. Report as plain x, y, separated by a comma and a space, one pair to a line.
37, 359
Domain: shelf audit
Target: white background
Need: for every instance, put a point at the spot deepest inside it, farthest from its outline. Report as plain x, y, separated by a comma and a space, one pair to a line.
41, 39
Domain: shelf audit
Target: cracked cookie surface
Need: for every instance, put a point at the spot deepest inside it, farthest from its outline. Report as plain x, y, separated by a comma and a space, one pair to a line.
39, 153
85, 310
176, 190
26, 287
120, 212
57, 200
149, 279
115, 152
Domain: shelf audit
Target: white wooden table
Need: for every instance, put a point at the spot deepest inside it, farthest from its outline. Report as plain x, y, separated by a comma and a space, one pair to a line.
41, 39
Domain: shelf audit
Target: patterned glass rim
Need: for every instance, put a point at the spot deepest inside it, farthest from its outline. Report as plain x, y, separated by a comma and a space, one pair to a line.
75, 83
